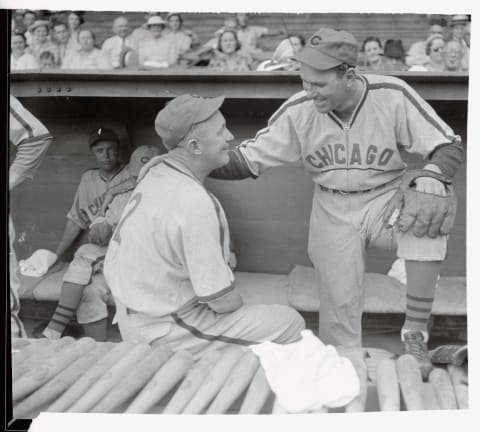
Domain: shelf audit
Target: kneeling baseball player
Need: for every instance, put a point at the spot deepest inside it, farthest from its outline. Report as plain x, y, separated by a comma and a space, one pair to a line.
167, 263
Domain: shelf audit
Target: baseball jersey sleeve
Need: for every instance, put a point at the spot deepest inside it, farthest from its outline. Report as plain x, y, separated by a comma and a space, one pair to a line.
30, 137
203, 236
277, 144
419, 128
77, 213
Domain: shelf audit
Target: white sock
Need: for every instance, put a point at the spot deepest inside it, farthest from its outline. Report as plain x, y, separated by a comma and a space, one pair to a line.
51, 334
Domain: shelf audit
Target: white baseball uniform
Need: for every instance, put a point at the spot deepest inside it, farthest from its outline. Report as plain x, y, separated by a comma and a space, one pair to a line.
362, 155
31, 138
169, 257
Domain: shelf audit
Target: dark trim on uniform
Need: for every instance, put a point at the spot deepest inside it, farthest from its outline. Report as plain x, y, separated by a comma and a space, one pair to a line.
420, 320
197, 333
22, 121
420, 299
362, 100
418, 309
338, 122
351, 169
108, 180
218, 294
414, 102
276, 115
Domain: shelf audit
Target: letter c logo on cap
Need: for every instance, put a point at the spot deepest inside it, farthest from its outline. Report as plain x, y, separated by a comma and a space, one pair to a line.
315, 40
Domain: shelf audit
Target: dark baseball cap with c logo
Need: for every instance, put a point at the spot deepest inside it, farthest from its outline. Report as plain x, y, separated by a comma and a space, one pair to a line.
328, 48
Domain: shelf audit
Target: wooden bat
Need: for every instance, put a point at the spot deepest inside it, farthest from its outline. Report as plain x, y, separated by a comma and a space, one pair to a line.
410, 379
443, 387
257, 394
388, 390
459, 377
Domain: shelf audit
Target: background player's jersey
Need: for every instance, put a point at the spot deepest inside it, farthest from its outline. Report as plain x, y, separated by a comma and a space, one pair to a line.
355, 156
171, 246
90, 194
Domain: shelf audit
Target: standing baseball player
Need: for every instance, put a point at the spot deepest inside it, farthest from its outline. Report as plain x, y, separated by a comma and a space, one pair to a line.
348, 130
167, 263
31, 139
87, 205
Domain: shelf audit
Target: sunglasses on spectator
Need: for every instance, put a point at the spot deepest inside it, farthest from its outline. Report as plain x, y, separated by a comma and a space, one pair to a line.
437, 49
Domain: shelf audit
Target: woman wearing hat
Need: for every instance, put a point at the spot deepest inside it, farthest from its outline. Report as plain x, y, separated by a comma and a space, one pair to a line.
159, 51
394, 55
40, 42
458, 25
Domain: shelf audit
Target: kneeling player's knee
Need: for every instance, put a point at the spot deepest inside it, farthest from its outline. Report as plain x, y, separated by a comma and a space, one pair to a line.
289, 320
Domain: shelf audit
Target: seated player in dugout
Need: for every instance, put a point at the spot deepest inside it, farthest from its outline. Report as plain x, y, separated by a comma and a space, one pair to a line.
87, 205
167, 263
347, 129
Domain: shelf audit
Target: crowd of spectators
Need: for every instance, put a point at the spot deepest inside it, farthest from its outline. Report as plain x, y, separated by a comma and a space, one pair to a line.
62, 40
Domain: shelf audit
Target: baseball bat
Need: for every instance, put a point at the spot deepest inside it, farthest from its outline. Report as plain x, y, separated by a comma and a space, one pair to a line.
388, 390
459, 377
410, 379
257, 394
443, 387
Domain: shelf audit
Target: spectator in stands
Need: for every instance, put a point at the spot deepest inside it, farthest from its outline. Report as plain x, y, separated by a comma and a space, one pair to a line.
453, 56
115, 47
417, 54
40, 43
282, 58
248, 35
75, 20
61, 38
87, 57
159, 51
19, 59
47, 60
229, 57
394, 56
373, 59
434, 49
230, 23
458, 24
28, 18
142, 33
178, 37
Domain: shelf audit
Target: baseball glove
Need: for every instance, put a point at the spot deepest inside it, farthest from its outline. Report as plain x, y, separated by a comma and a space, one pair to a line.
100, 233
423, 213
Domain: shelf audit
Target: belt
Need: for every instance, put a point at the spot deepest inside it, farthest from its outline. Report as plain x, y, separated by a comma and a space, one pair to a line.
364, 191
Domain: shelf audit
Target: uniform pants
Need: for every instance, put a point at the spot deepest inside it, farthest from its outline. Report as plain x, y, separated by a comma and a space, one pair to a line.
342, 227
17, 329
198, 329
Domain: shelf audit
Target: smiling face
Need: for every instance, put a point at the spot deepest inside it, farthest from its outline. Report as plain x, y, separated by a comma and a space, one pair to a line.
73, 21
41, 34
436, 29
325, 88
453, 54
174, 23
372, 51
86, 41
436, 50
212, 137
120, 27
242, 19
28, 19
156, 30
61, 33
106, 155
228, 43
17, 44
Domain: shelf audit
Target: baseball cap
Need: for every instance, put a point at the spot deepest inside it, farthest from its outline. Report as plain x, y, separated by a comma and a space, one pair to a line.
140, 157
156, 20
328, 48
179, 115
102, 134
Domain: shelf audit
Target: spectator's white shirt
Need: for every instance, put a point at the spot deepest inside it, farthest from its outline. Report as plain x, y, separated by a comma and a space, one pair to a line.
112, 48
138, 35
73, 45
181, 41
417, 54
25, 61
158, 50
94, 59
36, 48
29, 37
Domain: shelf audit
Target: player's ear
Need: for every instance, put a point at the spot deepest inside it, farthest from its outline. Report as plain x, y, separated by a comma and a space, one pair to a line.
193, 147
350, 76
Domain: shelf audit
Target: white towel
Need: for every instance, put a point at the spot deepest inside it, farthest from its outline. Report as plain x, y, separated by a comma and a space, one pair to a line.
38, 264
398, 271
308, 375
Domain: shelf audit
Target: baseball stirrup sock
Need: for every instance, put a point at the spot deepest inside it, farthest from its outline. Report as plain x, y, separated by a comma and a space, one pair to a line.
422, 279
70, 297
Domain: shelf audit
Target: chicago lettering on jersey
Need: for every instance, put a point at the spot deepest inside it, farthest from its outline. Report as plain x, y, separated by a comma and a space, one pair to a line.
336, 155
